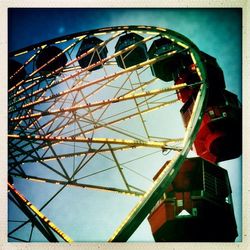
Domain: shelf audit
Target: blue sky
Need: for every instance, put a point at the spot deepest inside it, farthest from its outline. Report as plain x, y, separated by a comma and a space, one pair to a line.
215, 31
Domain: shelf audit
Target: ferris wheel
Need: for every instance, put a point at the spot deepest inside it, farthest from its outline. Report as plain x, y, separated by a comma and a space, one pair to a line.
97, 114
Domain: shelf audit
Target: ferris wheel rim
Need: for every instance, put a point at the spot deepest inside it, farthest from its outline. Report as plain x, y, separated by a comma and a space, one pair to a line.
195, 121
143, 28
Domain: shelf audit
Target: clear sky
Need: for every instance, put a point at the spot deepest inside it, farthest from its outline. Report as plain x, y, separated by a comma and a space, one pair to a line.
215, 31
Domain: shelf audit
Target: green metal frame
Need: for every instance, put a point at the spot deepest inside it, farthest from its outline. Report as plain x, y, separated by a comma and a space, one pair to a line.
150, 198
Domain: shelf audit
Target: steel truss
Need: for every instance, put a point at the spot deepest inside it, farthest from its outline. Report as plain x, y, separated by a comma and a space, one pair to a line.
95, 129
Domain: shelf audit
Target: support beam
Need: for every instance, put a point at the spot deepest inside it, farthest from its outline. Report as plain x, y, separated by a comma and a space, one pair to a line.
81, 185
101, 103
131, 143
29, 209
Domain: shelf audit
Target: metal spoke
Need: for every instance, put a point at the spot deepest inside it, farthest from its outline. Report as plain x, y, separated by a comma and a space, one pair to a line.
76, 128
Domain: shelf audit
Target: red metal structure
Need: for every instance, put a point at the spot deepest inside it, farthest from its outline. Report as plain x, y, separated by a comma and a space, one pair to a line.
186, 73
196, 207
219, 137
